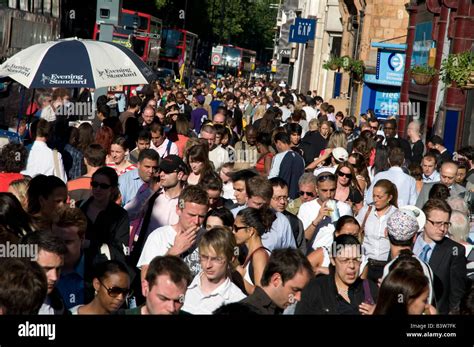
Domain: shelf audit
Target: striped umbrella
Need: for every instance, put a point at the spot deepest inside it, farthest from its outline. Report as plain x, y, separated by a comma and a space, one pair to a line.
76, 63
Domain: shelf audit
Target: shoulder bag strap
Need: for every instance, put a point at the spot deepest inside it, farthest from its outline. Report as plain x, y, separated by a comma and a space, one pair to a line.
57, 173
362, 228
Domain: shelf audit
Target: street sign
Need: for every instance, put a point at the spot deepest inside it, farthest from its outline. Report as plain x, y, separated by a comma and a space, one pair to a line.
303, 30
285, 52
218, 49
294, 37
216, 59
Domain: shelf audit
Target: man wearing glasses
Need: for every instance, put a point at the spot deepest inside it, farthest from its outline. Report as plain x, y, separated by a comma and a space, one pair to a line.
342, 291
279, 202
213, 287
315, 213
307, 192
445, 257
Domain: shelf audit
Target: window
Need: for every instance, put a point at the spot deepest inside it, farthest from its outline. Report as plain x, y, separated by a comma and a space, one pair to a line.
336, 42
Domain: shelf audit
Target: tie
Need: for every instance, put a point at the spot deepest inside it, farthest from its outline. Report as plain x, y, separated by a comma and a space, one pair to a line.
136, 224
424, 253
427, 178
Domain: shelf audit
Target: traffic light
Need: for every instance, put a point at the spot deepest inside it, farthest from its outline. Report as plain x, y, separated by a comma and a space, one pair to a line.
109, 12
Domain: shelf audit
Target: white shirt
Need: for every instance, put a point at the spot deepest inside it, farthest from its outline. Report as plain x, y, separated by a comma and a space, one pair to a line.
376, 244
309, 211
406, 186
310, 113
219, 156
162, 148
196, 302
331, 169
276, 162
228, 192
41, 161
158, 243
164, 212
434, 177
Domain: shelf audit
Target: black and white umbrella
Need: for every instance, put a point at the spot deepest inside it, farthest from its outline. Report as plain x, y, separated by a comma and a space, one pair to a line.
76, 63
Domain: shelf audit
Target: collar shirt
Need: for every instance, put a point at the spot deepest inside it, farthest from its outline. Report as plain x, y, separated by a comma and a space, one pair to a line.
376, 244
129, 184
406, 186
420, 244
431, 179
163, 148
309, 211
196, 302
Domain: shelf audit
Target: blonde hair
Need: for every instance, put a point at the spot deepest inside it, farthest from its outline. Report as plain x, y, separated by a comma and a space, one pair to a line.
222, 241
19, 189
337, 139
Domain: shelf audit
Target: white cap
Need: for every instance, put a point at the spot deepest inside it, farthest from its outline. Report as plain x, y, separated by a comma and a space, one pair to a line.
340, 154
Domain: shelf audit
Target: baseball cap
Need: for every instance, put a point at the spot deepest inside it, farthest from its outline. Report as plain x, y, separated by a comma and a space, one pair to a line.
340, 154
402, 225
172, 163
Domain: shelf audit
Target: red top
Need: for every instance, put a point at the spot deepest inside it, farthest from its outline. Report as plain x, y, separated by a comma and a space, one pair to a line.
260, 166
6, 178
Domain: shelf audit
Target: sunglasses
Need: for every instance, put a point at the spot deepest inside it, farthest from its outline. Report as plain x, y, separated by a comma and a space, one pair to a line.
236, 229
311, 194
325, 177
114, 292
101, 185
342, 174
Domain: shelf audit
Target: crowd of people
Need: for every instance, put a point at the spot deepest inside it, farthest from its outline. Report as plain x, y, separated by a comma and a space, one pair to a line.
234, 197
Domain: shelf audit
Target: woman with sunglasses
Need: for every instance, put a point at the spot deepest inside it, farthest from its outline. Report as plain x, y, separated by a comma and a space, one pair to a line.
108, 226
249, 226
112, 287
347, 189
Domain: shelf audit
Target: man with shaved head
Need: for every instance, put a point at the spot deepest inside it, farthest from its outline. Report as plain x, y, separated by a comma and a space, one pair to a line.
447, 173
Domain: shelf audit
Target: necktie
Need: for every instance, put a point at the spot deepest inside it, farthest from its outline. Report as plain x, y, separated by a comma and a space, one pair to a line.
136, 224
424, 253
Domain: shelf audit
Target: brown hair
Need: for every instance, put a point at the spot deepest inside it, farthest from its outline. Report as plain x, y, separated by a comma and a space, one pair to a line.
436, 204
389, 189
68, 217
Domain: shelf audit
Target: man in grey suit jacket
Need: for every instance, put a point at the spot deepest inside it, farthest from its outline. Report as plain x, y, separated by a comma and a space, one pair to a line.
448, 173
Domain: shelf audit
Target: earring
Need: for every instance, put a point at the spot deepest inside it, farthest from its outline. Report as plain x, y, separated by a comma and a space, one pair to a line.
95, 292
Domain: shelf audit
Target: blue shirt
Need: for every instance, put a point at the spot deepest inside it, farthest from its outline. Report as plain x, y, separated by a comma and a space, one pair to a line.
280, 234
71, 286
129, 184
420, 244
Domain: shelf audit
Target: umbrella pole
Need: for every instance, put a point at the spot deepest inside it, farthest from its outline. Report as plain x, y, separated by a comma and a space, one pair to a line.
22, 99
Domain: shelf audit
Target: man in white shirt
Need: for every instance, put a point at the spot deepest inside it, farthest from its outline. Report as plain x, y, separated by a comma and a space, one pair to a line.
406, 185
42, 159
315, 213
160, 143
428, 165
213, 287
179, 239
310, 110
217, 154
